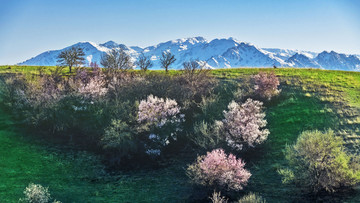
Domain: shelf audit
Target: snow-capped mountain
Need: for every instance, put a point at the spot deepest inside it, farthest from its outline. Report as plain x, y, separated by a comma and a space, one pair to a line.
301, 60
218, 53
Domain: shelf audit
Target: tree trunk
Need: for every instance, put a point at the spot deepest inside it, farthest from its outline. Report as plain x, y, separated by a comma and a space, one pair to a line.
70, 69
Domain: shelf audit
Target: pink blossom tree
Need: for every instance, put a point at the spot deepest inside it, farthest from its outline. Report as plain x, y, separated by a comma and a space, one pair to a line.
160, 120
243, 124
219, 170
158, 111
90, 84
266, 85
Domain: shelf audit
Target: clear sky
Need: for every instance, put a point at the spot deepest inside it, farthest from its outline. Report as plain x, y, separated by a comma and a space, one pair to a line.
30, 27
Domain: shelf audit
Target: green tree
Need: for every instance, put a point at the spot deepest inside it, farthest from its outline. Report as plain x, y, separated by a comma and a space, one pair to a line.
318, 161
71, 57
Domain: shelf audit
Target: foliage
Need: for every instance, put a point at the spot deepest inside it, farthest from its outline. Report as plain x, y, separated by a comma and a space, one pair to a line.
318, 161
217, 198
35, 193
91, 85
207, 136
158, 111
244, 124
251, 198
116, 59
197, 78
286, 119
219, 170
160, 118
144, 62
119, 138
266, 85
73, 56
166, 59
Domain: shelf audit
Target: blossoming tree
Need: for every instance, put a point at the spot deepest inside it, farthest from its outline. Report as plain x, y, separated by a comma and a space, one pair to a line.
243, 124
219, 170
160, 119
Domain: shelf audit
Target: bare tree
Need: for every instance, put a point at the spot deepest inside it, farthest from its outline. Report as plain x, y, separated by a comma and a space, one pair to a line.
190, 67
194, 69
116, 59
144, 62
94, 65
167, 58
71, 57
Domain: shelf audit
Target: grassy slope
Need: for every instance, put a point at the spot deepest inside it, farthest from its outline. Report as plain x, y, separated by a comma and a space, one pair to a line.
311, 99
74, 176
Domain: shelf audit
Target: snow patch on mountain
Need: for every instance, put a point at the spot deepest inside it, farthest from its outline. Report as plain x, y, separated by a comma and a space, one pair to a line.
217, 53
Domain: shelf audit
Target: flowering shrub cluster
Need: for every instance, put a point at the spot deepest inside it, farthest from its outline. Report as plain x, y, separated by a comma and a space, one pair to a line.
243, 124
91, 84
219, 170
158, 111
161, 118
35, 193
96, 107
266, 85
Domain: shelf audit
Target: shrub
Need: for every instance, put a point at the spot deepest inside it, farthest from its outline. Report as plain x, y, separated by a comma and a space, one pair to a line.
35, 193
158, 111
266, 85
318, 161
160, 121
219, 170
119, 138
90, 85
244, 124
197, 80
251, 198
207, 136
217, 198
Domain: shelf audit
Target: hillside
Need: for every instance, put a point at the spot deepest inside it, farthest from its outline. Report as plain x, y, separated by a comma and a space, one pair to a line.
217, 53
310, 99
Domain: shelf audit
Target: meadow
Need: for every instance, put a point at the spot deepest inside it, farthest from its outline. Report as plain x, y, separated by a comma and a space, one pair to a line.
310, 99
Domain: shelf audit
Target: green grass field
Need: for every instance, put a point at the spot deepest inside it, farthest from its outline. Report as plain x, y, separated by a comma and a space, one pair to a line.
310, 99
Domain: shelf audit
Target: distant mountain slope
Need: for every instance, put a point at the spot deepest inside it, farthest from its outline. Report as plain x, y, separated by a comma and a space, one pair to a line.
218, 53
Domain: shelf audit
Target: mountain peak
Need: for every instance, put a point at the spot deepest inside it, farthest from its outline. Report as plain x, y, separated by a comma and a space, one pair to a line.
219, 53
110, 44
190, 40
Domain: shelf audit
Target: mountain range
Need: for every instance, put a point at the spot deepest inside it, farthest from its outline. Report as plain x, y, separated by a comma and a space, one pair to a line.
217, 53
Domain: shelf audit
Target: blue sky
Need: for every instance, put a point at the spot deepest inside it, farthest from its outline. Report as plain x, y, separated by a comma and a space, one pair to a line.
29, 27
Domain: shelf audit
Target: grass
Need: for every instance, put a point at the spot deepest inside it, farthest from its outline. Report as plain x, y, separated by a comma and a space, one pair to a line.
77, 176
310, 99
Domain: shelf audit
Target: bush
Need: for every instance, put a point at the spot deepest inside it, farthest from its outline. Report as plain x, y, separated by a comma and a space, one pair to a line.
160, 121
219, 170
207, 136
251, 198
119, 138
266, 85
217, 198
244, 124
35, 193
318, 161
